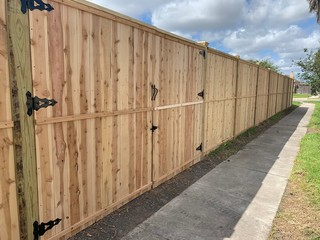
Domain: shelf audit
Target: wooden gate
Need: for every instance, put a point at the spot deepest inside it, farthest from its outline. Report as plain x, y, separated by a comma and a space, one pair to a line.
94, 145
178, 109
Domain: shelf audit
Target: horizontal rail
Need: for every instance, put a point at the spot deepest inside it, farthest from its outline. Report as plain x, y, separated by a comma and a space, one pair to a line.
4, 125
177, 105
89, 116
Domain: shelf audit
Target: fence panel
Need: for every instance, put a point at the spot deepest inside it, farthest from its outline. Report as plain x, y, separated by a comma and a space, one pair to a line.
262, 96
178, 109
273, 86
285, 93
290, 94
129, 114
220, 88
280, 88
9, 223
94, 145
246, 96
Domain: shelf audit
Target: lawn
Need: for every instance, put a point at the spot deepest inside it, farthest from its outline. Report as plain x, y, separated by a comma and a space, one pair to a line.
296, 95
299, 213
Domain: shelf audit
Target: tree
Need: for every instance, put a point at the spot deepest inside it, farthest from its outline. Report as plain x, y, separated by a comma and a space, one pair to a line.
314, 6
310, 69
267, 64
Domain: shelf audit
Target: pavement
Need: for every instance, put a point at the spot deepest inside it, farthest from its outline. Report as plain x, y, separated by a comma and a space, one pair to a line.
239, 198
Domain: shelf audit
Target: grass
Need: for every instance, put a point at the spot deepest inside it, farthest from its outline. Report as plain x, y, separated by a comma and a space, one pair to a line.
297, 104
308, 161
296, 95
299, 213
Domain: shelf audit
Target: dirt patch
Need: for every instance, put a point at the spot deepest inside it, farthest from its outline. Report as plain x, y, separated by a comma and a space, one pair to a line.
313, 130
296, 218
119, 223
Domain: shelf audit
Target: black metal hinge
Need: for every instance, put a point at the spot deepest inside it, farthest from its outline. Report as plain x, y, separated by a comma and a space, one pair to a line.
199, 148
35, 103
153, 128
201, 94
39, 230
203, 53
35, 4
154, 92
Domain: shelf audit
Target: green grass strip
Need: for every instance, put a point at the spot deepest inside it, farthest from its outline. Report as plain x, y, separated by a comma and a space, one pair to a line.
296, 95
307, 163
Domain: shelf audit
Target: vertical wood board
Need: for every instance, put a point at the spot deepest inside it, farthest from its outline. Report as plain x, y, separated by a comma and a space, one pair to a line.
9, 225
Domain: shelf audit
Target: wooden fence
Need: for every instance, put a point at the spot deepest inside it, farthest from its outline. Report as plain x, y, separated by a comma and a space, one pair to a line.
135, 106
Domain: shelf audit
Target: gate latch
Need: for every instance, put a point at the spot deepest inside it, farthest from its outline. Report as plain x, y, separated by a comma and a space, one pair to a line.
201, 94
200, 148
153, 128
35, 103
39, 230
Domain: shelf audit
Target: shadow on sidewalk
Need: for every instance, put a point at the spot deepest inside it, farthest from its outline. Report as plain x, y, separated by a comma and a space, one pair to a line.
228, 195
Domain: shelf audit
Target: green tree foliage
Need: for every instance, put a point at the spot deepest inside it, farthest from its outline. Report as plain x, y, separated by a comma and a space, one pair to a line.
267, 64
314, 6
310, 69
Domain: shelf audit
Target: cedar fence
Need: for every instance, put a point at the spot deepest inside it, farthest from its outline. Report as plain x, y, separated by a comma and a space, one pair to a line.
135, 106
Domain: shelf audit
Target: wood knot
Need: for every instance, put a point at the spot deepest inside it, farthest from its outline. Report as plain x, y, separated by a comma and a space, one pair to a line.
8, 141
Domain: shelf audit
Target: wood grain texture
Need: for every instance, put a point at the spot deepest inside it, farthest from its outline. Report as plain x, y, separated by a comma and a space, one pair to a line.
246, 97
94, 146
23, 140
178, 109
280, 90
9, 224
273, 87
262, 96
220, 94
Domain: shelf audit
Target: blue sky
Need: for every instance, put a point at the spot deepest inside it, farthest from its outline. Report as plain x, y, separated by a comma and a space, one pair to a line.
277, 30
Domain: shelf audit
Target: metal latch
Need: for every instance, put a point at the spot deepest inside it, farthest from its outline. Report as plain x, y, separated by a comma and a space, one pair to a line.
154, 92
39, 230
35, 103
153, 128
201, 94
35, 4
200, 148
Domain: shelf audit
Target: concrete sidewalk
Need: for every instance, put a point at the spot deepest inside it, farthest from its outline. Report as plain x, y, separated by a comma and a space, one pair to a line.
239, 198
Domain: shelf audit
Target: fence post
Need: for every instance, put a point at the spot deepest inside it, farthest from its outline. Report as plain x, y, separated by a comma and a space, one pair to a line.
204, 80
236, 98
20, 78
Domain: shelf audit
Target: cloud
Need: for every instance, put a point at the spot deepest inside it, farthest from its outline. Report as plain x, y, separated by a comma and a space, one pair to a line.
256, 29
131, 8
192, 16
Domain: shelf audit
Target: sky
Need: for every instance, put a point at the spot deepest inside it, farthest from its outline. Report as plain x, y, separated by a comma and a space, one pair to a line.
277, 30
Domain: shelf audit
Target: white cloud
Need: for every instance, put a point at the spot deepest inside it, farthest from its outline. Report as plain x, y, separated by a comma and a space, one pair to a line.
130, 7
192, 16
256, 29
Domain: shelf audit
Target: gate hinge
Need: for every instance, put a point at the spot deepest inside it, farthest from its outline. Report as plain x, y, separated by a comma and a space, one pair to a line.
203, 53
201, 94
39, 230
35, 103
199, 148
155, 91
35, 4
153, 128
